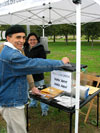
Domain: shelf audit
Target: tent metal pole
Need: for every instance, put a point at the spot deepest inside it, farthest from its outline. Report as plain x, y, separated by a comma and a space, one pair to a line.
43, 34
28, 29
78, 55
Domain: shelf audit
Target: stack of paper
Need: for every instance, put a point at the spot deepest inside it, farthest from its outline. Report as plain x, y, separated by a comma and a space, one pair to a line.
51, 92
66, 101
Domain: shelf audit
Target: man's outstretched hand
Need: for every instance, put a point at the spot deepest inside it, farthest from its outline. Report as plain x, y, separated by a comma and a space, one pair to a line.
65, 60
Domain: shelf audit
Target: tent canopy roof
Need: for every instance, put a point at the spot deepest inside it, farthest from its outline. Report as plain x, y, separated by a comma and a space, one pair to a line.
32, 12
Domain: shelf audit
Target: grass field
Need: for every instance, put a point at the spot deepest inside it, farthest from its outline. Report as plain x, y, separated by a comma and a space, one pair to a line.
89, 55
58, 121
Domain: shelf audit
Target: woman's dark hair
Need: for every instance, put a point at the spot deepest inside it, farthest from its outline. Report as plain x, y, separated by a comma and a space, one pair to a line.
31, 34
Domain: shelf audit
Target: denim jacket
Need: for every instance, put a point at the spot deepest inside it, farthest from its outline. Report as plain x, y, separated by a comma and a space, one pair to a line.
14, 67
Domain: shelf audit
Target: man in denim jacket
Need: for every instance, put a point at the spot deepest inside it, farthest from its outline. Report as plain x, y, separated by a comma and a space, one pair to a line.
14, 67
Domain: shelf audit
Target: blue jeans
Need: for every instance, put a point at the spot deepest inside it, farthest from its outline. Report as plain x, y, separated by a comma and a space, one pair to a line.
33, 102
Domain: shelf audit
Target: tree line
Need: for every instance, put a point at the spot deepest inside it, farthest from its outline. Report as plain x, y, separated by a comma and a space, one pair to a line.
90, 30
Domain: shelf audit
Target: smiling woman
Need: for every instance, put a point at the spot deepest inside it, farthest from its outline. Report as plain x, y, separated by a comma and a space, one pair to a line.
33, 49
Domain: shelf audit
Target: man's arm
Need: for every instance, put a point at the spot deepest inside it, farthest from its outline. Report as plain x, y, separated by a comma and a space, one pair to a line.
22, 65
30, 81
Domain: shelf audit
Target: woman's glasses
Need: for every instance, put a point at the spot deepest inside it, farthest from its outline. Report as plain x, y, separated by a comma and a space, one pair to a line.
32, 39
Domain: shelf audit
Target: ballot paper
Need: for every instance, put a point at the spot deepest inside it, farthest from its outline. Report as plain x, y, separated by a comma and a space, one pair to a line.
66, 101
92, 89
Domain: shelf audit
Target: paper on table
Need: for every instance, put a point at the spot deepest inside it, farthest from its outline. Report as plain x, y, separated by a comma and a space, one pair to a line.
66, 101
51, 92
92, 89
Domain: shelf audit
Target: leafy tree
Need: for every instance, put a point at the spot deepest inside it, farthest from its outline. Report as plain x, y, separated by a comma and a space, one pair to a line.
52, 30
36, 29
92, 31
65, 30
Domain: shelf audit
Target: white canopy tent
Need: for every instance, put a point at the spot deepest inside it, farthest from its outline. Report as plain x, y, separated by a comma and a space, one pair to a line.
38, 12
44, 12
35, 12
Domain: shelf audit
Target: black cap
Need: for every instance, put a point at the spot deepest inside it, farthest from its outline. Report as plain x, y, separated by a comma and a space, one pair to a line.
14, 29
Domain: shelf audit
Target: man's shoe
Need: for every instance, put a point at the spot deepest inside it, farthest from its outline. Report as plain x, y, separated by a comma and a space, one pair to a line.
44, 113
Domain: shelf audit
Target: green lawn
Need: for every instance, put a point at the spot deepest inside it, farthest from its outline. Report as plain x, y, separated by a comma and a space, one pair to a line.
89, 55
58, 121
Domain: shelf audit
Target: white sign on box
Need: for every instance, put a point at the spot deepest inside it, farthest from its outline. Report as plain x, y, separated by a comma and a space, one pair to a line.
61, 80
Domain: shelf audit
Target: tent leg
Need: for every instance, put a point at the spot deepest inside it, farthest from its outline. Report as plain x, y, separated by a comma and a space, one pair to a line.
27, 118
70, 129
78, 60
97, 109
